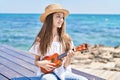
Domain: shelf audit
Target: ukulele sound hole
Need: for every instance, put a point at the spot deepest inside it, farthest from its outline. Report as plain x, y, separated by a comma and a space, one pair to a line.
52, 60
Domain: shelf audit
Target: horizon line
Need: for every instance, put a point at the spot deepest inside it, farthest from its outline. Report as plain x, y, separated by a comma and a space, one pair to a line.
71, 13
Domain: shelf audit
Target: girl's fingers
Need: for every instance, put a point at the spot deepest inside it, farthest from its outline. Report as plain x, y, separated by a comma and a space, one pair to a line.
50, 67
70, 53
51, 63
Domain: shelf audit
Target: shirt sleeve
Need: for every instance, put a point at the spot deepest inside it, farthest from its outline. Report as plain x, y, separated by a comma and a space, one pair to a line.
35, 49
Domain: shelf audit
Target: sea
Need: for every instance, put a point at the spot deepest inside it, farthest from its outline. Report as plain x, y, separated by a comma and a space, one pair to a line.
20, 30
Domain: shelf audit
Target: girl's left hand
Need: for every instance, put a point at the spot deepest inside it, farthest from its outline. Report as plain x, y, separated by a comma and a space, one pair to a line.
68, 58
70, 53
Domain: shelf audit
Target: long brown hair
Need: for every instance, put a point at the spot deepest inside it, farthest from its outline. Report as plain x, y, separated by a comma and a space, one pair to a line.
45, 36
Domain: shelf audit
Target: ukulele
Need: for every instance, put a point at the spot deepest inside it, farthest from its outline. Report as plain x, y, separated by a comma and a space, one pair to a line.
57, 59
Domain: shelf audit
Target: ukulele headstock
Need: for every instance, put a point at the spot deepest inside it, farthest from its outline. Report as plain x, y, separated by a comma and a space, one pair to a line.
82, 48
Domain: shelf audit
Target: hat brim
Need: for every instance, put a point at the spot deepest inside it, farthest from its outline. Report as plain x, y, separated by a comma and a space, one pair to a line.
44, 15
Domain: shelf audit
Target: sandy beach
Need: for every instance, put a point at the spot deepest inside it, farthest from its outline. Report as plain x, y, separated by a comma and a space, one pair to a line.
100, 60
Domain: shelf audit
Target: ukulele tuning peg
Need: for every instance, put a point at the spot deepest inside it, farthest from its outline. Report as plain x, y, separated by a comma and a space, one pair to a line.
82, 52
73, 49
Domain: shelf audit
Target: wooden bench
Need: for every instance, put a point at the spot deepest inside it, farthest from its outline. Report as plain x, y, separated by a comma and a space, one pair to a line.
16, 63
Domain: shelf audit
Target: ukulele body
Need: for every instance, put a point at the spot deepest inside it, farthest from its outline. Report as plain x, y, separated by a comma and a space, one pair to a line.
54, 59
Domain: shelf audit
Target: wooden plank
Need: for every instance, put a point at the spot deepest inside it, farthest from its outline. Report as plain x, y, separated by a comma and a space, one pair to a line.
89, 76
9, 73
16, 67
105, 74
2, 77
19, 62
9, 55
94, 72
17, 54
16, 51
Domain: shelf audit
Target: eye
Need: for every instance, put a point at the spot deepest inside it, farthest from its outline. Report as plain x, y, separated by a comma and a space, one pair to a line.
58, 16
61, 17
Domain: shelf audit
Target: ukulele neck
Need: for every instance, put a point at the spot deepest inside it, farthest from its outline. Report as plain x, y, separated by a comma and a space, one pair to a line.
63, 55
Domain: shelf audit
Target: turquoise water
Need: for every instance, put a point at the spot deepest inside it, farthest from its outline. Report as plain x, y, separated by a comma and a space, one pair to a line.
19, 30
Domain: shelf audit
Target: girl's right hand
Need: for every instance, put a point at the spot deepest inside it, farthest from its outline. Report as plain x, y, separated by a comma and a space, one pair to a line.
47, 65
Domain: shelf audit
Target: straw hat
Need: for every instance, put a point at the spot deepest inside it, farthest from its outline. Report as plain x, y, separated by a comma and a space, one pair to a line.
51, 9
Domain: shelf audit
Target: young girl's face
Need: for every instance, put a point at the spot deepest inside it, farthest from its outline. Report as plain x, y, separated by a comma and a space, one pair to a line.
58, 19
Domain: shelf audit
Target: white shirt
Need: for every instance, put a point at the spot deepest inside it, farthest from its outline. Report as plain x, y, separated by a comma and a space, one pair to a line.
56, 47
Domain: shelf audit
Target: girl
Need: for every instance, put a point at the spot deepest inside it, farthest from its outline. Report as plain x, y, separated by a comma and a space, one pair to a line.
52, 39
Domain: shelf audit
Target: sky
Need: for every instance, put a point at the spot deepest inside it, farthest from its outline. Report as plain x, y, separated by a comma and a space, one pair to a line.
74, 6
